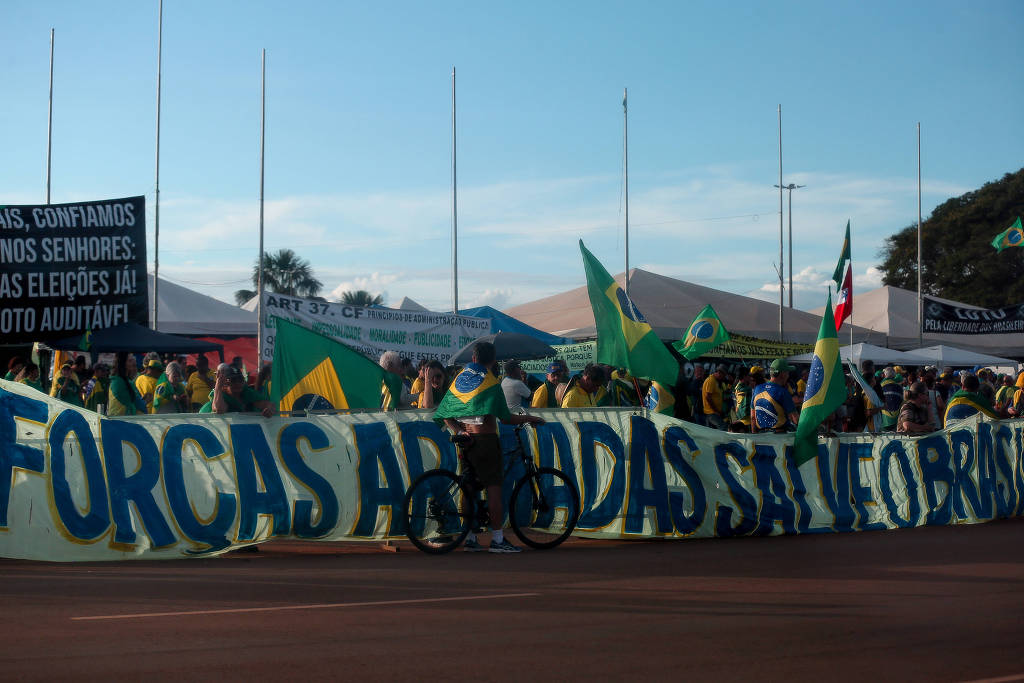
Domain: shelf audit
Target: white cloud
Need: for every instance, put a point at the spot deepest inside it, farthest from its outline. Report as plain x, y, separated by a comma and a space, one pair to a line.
375, 283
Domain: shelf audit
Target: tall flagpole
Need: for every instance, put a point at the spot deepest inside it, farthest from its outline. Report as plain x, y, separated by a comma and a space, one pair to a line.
259, 269
781, 282
49, 123
625, 155
920, 301
156, 192
455, 213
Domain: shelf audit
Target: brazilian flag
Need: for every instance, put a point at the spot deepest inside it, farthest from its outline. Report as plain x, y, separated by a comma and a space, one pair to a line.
704, 333
624, 339
660, 399
312, 371
1011, 237
964, 404
826, 388
475, 391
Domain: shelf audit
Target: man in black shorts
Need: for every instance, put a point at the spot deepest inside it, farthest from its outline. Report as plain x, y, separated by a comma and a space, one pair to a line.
473, 405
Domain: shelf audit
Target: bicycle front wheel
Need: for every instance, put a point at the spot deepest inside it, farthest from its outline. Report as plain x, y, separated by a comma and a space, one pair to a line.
544, 509
437, 512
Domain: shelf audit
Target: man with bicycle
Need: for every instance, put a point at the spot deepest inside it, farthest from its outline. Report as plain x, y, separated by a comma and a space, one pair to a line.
473, 406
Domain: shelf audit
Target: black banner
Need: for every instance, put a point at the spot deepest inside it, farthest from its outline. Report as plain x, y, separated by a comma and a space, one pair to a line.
69, 268
949, 319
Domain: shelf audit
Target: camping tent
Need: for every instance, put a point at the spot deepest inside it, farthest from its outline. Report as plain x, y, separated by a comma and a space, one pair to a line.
861, 352
133, 337
670, 305
183, 311
950, 356
501, 322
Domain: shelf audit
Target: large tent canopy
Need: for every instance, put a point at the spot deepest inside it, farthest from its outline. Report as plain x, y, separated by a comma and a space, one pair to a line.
941, 355
134, 338
861, 352
183, 311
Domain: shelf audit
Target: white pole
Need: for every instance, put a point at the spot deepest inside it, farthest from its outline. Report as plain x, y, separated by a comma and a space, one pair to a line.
782, 288
156, 192
920, 301
625, 154
259, 270
455, 213
49, 123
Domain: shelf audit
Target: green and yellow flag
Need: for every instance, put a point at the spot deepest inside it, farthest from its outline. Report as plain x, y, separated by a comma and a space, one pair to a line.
826, 388
704, 333
624, 339
1011, 237
315, 372
475, 391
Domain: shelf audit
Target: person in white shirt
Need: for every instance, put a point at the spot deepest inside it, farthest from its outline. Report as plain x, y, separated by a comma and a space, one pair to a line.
514, 387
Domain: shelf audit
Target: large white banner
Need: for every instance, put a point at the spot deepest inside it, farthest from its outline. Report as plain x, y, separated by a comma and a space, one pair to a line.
77, 486
372, 331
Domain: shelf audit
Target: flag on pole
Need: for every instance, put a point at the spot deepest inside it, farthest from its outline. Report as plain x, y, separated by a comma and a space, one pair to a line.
624, 338
837, 276
875, 421
1011, 237
826, 389
704, 333
475, 391
312, 371
844, 302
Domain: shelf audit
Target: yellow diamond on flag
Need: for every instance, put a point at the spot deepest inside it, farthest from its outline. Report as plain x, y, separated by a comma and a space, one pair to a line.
634, 326
322, 380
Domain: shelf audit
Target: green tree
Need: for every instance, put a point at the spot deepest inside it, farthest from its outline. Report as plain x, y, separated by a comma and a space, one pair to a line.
283, 273
361, 298
957, 257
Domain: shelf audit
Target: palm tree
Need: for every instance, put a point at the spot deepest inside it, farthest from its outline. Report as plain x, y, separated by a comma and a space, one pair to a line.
283, 273
361, 298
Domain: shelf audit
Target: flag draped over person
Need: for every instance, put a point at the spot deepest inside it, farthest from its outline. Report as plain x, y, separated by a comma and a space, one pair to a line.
624, 338
704, 334
475, 391
844, 256
826, 389
1011, 237
308, 365
844, 300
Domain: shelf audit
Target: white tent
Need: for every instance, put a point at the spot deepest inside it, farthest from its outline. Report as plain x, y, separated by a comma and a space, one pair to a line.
183, 311
860, 352
950, 356
407, 304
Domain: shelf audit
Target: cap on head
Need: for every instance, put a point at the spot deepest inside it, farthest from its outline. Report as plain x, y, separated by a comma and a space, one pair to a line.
154, 364
781, 365
234, 374
557, 366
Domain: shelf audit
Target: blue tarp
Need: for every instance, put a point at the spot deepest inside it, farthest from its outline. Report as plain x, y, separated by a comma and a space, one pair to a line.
506, 323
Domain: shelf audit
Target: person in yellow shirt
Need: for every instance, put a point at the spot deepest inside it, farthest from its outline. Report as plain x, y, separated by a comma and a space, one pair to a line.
588, 391
200, 383
146, 382
545, 395
711, 393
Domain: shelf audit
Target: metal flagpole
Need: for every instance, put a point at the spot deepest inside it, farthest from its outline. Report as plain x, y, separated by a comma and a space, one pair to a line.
49, 123
259, 269
156, 192
782, 289
625, 155
455, 213
921, 307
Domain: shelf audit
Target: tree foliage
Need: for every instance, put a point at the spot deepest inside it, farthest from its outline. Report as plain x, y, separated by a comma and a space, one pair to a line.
361, 297
957, 256
283, 273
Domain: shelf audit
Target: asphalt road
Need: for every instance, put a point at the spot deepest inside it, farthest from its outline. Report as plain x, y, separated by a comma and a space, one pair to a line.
930, 604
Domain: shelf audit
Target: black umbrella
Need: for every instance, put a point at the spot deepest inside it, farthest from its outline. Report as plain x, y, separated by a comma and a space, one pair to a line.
507, 346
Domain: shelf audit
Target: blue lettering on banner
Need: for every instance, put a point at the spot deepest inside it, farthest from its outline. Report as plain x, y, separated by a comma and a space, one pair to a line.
845, 461
254, 463
775, 503
744, 500
908, 495
684, 523
95, 521
861, 494
327, 500
600, 513
962, 444
554, 450
213, 534
13, 454
828, 489
645, 459
799, 489
411, 435
986, 471
377, 455
1018, 475
936, 470
1006, 492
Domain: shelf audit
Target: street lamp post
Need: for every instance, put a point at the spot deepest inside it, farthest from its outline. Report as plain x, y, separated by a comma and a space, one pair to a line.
791, 187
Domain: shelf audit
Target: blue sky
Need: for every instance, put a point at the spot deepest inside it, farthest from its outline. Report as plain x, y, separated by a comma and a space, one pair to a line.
358, 165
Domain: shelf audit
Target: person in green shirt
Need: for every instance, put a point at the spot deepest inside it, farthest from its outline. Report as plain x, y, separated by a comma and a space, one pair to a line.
97, 388
232, 395
66, 387
170, 395
29, 375
122, 396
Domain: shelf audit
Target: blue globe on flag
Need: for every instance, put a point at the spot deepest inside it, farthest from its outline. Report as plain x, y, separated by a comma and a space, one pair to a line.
703, 330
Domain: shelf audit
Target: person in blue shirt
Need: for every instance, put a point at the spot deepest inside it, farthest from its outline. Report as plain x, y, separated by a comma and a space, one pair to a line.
771, 406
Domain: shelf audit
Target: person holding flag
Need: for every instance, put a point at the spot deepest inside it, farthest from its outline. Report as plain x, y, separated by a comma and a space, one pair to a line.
473, 406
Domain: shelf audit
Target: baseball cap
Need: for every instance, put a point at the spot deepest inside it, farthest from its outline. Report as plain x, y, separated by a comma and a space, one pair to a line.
233, 373
557, 366
154, 363
754, 369
781, 365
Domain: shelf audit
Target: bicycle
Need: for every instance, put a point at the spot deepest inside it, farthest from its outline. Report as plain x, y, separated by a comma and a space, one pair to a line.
441, 507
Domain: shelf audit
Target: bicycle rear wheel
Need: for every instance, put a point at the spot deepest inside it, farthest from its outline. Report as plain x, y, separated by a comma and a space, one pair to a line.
435, 520
544, 509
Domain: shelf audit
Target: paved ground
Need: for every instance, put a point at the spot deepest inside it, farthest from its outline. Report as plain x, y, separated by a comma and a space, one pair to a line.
932, 604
